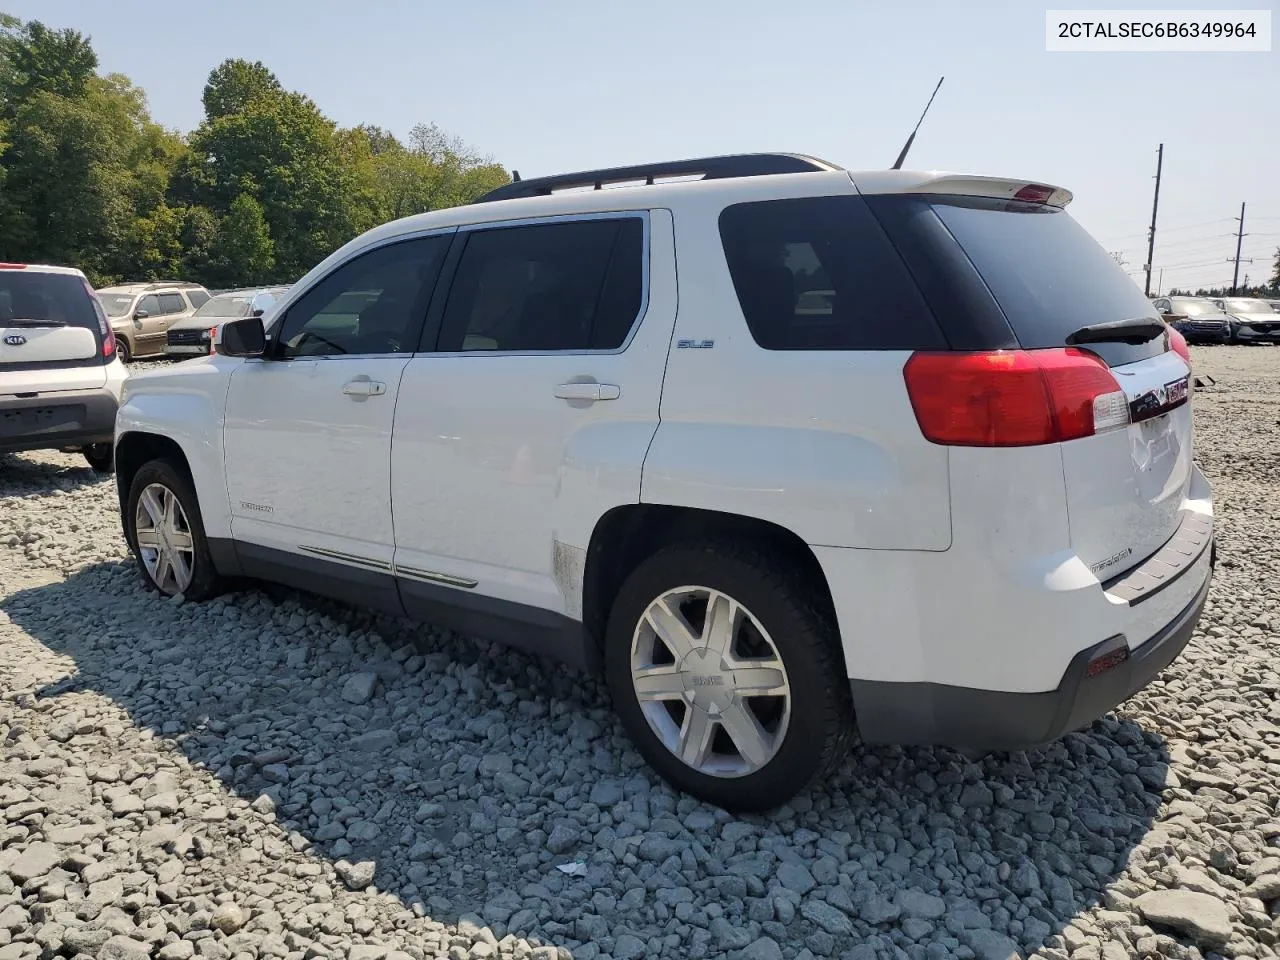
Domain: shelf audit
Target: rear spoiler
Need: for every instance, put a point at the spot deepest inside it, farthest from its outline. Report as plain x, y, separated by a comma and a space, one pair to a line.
967, 185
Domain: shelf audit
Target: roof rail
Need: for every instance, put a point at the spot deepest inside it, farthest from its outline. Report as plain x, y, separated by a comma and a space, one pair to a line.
709, 168
161, 284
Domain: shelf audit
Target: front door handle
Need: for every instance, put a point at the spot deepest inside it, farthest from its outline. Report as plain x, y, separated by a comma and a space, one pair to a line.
588, 391
362, 387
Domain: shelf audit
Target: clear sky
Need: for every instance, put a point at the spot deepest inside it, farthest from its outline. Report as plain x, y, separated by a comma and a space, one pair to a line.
561, 85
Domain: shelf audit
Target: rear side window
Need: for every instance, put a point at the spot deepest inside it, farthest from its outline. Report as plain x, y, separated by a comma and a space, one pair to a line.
818, 273
574, 285
59, 298
1048, 275
172, 303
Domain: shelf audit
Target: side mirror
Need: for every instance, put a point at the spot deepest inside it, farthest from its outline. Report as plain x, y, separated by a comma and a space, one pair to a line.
140, 314
242, 338
257, 312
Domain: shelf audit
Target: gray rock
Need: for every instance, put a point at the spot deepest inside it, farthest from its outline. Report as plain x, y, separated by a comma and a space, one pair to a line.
826, 917
976, 795
878, 909
124, 948
924, 906
795, 877
1198, 915
765, 948
86, 939
228, 918
989, 945
37, 860
628, 947
374, 740
1265, 887
562, 839
178, 950
357, 875
359, 687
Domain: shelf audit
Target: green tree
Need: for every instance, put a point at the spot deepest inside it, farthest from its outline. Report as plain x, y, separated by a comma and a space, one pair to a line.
278, 148
1275, 276
37, 59
245, 253
234, 84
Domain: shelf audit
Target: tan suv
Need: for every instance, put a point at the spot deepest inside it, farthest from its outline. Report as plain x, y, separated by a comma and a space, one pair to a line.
141, 313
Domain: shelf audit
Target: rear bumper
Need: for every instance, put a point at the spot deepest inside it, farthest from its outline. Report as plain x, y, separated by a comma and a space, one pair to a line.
974, 719
50, 421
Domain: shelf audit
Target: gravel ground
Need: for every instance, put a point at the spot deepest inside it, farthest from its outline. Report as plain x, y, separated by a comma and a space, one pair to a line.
269, 776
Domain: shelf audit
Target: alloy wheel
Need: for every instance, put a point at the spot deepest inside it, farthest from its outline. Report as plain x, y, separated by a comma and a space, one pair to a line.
710, 682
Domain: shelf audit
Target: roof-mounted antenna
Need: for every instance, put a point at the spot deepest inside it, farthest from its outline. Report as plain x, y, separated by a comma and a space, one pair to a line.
911, 139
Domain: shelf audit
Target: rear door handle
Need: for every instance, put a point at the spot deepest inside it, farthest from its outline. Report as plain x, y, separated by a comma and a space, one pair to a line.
588, 391
364, 387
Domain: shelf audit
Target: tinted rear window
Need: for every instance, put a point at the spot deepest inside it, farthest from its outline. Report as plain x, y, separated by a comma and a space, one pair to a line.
818, 273
59, 297
1047, 274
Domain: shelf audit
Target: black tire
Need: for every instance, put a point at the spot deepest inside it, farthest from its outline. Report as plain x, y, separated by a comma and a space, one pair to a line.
821, 725
122, 348
205, 582
101, 457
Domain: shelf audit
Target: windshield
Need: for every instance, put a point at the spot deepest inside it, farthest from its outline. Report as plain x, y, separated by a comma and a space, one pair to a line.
61, 298
116, 304
1194, 308
1047, 274
1247, 306
224, 307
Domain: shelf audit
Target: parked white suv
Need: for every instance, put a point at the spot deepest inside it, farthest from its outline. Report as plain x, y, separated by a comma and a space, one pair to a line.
786, 451
60, 375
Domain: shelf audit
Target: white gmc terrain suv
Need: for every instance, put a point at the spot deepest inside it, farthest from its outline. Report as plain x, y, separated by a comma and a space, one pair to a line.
787, 452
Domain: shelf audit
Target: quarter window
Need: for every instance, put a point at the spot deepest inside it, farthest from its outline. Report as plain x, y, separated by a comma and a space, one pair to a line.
573, 285
198, 298
373, 304
819, 274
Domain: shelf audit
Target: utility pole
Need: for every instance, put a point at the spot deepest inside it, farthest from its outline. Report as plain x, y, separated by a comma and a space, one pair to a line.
1155, 205
1160, 282
1239, 239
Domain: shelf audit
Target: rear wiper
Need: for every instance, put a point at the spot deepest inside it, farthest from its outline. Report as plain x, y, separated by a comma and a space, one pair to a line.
1134, 330
24, 323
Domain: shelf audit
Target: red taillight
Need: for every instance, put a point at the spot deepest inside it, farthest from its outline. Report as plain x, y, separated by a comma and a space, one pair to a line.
109, 343
1178, 344
13, 266
1013, 398
1034, 193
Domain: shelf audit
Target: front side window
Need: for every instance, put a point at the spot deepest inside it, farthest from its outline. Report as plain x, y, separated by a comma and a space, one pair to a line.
818, 273
150, 306
373, 304
565, 286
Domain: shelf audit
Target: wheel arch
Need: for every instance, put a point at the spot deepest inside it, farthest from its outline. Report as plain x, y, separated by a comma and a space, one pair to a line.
136, 448
627, 535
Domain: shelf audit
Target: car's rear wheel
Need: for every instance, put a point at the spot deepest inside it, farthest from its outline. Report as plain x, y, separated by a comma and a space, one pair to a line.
163, 526
100, 456
727, 675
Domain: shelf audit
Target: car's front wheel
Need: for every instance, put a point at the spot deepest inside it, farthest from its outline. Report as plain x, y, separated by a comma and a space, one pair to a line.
727, 676
123, 350
163, 526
